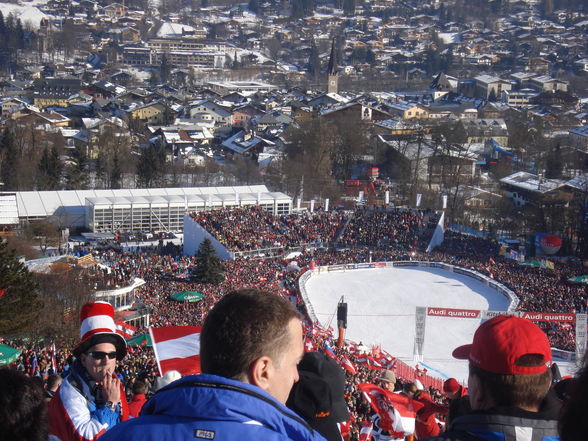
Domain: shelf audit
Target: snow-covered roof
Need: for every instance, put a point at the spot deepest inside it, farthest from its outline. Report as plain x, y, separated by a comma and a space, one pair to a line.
530, 182
168, 29
27, 14
69, 202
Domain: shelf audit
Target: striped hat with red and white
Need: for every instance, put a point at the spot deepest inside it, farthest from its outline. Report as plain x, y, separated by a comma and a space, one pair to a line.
97, 326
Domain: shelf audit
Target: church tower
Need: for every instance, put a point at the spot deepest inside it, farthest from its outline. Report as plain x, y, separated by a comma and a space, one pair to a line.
332, 71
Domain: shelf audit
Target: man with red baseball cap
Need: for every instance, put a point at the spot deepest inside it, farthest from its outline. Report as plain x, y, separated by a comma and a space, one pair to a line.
509, 380
459, 402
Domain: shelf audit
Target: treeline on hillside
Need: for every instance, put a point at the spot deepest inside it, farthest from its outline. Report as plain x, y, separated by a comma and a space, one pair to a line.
12, 38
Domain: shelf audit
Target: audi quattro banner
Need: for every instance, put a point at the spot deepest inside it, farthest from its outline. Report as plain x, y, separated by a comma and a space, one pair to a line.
485, 315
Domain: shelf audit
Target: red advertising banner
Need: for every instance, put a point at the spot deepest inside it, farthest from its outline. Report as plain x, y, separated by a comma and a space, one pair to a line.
549, 316
476, 313
452, 312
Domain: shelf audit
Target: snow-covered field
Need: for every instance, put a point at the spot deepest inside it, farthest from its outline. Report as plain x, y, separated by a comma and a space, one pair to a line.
381, 310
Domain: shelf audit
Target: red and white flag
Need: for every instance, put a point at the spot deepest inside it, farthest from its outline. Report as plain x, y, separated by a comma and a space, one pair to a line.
369, 362
397, 412
347, 364
365, 434
125, 329
177, 348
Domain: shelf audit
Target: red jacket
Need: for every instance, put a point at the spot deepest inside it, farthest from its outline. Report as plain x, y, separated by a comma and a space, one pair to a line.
73, 418
136, 405
425, 425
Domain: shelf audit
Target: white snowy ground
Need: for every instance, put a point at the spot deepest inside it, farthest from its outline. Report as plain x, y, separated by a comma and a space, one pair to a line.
381, 310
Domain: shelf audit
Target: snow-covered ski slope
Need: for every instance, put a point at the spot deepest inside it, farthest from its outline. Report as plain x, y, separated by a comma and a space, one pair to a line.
381, 310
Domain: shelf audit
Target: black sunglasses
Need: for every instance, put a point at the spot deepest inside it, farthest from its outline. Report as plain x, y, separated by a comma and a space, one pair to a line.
99, 355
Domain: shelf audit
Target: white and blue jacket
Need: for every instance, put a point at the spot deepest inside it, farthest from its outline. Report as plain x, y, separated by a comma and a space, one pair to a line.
209, 407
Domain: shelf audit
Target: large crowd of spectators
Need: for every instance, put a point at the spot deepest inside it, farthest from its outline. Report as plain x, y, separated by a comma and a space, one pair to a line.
362, 236
250, 228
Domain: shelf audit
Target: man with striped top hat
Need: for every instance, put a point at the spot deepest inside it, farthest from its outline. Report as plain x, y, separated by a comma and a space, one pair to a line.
91, 398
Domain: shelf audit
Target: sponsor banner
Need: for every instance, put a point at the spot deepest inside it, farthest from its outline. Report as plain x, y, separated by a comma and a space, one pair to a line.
364, 265
380, 265
580, 336
323, 268
453, 312
336, 267
350, 266
419, 336
487, 315
549, 316
405, 263
564, 355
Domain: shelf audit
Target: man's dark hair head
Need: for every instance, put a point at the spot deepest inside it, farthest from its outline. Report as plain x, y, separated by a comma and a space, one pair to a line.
243, 326
53, 380
523, 391
139, 387
23, 412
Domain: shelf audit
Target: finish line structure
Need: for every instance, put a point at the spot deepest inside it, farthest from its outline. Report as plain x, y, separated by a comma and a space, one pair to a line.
422, 313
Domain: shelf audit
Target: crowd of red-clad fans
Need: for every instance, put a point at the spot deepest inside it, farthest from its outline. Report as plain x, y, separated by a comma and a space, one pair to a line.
360, 236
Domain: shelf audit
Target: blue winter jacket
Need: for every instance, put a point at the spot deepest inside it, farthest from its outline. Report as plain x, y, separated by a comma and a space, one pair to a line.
209, 407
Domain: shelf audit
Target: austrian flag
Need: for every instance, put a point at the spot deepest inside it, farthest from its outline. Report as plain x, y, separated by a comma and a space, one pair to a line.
177, 348
126, 330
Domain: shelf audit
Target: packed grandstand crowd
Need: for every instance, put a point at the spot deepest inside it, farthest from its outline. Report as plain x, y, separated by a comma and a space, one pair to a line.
361, 236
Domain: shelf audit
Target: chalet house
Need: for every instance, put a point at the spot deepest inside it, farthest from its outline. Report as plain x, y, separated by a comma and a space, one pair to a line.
151, 113
54, 91
480, 130
115, 10
579, 138
546, 83
488, 86
245, 144
407, 110
243, 115
526, 188
11, 105
358, 112
206, 111
431, 165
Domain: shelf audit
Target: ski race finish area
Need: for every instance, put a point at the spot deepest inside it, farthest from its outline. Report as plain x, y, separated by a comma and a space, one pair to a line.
387, 300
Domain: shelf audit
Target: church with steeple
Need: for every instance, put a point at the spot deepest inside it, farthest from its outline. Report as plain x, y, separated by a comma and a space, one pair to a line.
333, 71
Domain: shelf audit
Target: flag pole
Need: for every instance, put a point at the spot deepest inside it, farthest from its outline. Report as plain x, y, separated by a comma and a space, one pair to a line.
155, 351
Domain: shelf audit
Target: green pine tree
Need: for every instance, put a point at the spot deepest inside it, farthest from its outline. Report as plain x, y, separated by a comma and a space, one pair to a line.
150, 166
19, 305
9, 161
49, 170
209, 267
314, 63
77, 173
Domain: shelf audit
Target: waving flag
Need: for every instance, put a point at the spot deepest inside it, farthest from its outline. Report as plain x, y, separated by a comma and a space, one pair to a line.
369, 362
2, 292
365, 434
177, 348
125, 329
327, 350
397, 412
34, 365
309, 346
53, 359
346, 363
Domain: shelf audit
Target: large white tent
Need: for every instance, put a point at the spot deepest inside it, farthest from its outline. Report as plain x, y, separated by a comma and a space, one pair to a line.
145, 209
